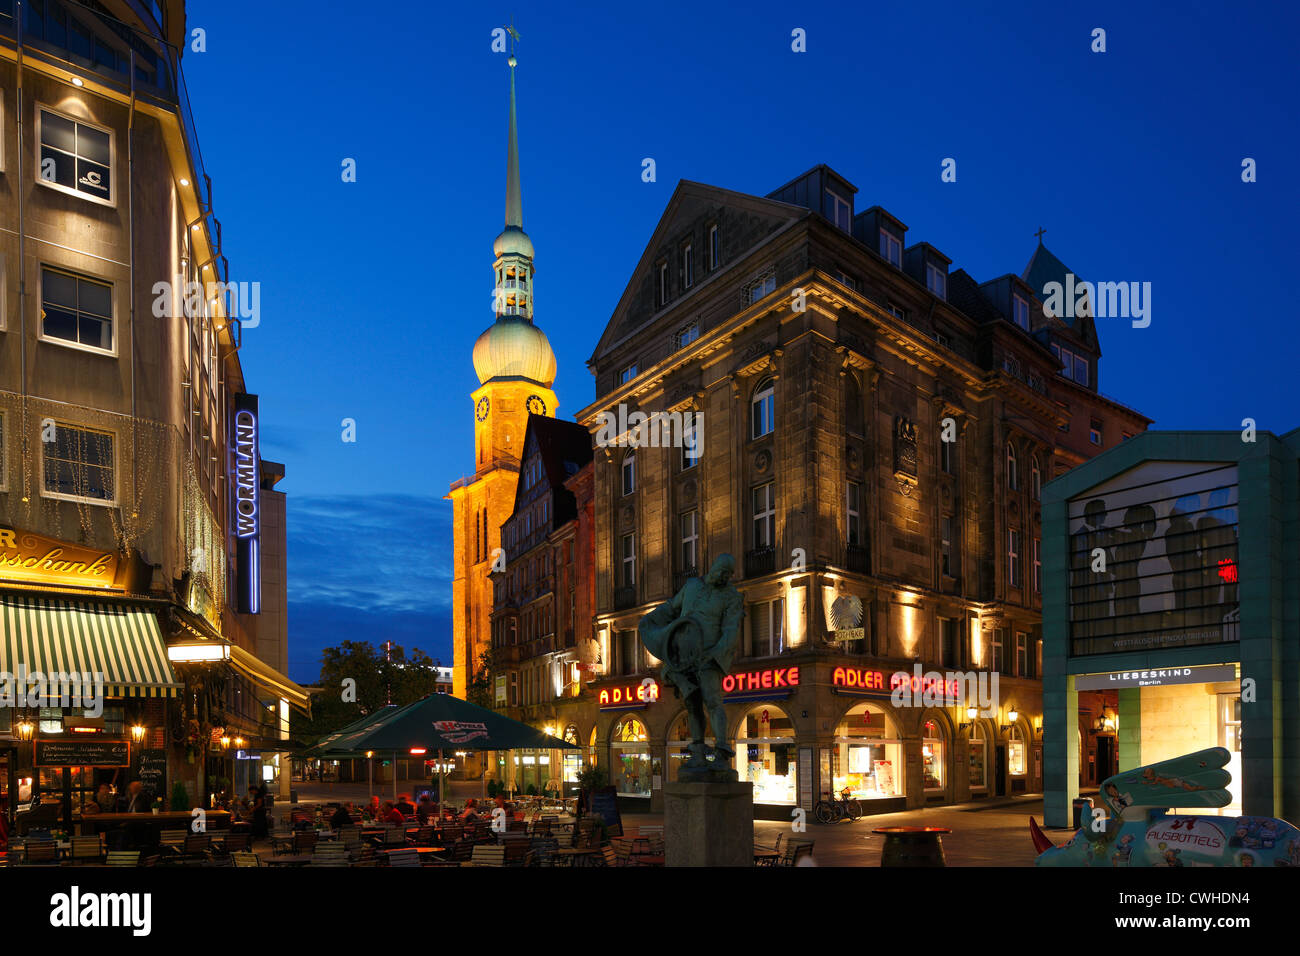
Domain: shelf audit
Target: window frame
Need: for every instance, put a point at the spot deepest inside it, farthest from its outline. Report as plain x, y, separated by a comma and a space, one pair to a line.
1019, 306
111, 203
1013, 468
627, 473
1037, 557
62, 496
693, 539
838, 202
890, 242
767, 516
1015, 573
44, 267
764, 393
663, 283
715, 247
1035, 478
947, 537
688, 265
941, 277
627, 373
853, 512
774, 608
628, 560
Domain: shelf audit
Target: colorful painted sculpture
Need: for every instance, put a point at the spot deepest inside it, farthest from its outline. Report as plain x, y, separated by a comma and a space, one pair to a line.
1139, 830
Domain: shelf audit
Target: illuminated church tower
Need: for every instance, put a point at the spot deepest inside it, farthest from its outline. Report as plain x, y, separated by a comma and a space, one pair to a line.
515, 368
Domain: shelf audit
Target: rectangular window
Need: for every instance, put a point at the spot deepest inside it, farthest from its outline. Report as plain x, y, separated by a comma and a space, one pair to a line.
846, 280
688, 334
1013, 557
948, 641
629, 560
627, 374
629, 658
947, 561
78, 465
1022, 654
839, 211
1073, 366
996, 650
690, 541
692, 438
663, 283
1038, 566
853, 506
1020, 312
897, 311
76, 309
76, 157
629, 473
947, 456
1094, 432
891, 250
944, 340
715, 247
764, 511
767, 628
762, 287
936, 280
688, 266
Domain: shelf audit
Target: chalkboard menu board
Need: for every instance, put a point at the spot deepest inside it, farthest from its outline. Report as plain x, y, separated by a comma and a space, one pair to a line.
153, 770
604, 804
82, 753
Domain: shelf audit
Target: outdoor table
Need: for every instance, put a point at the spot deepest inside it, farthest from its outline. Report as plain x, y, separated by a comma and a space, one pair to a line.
912, 846
418, 849
301, 859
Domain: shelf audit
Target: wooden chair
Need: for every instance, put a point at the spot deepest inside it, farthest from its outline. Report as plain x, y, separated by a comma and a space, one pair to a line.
304, 841
363, 854
516, 851
350, 836
246, 859
609, 856
543, 851
775, 846
87, 849
425, 836
40, 853
123, 857
236, 843
172, 842
795, 850
330, 853
404, 858
197, 846
282, 841
488, 856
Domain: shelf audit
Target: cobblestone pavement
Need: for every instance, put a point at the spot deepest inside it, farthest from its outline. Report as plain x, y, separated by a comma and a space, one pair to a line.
986, 833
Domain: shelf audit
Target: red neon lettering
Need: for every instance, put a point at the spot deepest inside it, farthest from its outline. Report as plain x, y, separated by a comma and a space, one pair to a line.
766, 679
778, 678
794, 677
837, 676
728, 684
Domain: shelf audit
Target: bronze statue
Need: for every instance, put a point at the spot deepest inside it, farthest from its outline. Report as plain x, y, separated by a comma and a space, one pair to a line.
695, 636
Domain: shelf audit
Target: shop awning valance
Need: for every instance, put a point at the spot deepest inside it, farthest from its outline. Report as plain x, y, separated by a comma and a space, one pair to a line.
268, 678
119, 644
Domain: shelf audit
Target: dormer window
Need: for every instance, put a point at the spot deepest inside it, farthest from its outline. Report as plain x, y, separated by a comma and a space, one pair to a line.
891, 249
936, 280
1020, 312
839, 210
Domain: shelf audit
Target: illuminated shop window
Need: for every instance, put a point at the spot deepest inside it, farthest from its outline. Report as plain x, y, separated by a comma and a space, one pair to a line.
978, 759
765, 755
78, 465
933, 755
868, 755
679, 736
629, 754
1016, 751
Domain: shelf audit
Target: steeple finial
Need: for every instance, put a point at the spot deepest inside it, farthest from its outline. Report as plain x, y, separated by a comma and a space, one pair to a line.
514, 205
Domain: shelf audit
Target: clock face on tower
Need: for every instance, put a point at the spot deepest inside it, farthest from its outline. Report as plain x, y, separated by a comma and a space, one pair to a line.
481, 410
536, 405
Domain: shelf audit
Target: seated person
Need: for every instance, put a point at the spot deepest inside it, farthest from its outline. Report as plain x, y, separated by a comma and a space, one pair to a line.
425, 809
391, 814
470, 811
404, 805
342, 816
105, 801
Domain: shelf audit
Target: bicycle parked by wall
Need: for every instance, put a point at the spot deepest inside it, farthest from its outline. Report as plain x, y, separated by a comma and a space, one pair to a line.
833, 811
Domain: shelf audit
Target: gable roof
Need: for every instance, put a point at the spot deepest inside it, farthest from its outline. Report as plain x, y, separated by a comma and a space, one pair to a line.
565, 447
674, 220
1044, 267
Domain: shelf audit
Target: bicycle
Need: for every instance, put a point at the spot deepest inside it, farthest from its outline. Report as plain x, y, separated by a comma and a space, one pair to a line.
833, 811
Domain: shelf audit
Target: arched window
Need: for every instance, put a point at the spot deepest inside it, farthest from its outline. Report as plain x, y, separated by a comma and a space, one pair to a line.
765, 755
629, 752
1035, 478
869, 754
629, 472
978, 760
1017, 759
934, 753
1013, 468
854, 417
692, 438
762, 409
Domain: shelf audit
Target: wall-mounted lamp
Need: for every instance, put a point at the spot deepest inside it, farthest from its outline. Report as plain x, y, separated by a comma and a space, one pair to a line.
1012, 716
137, 732
25, 729
971, 713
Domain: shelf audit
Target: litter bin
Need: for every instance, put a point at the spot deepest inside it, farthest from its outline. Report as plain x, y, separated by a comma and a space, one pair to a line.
1082, 806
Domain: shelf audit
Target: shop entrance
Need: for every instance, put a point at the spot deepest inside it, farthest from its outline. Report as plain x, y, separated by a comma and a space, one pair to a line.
1106, 766
1000, 777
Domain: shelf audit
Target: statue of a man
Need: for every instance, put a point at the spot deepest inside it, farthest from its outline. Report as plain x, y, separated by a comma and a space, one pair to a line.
695, 636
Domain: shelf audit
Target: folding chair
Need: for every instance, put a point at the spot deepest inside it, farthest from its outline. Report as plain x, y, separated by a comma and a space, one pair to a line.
87, 849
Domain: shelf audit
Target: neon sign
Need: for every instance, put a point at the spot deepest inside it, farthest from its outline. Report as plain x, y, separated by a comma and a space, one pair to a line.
630, 695
773, 678
873, 681
245, 487
1228, 570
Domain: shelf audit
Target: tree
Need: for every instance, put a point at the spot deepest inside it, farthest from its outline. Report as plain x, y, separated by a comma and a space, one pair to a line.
479, 689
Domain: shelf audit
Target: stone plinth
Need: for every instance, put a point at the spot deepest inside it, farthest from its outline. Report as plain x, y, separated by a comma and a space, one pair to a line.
709, 824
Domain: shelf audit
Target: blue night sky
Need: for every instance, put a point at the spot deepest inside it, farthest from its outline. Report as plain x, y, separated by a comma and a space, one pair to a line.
373, 292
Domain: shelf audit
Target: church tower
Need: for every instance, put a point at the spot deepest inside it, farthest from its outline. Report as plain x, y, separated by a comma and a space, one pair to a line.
515, 368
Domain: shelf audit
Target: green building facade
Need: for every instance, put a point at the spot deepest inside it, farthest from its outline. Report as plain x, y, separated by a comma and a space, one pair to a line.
1171, 614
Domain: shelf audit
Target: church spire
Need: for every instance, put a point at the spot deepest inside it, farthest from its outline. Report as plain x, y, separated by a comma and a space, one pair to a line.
514, 205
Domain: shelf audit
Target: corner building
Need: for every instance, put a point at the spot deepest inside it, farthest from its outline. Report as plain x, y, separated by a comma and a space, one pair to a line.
828, 359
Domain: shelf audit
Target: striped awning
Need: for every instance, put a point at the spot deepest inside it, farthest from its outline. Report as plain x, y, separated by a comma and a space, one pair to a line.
118, 644
269, 679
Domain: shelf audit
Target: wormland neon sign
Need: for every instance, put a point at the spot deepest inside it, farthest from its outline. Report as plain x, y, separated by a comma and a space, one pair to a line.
245, 482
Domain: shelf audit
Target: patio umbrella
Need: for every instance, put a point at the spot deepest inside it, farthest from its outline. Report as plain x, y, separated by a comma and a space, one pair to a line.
439, 722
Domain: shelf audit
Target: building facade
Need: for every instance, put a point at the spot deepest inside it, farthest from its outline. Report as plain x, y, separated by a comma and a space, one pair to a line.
143, 536
1172, 565
515, 368
874, 434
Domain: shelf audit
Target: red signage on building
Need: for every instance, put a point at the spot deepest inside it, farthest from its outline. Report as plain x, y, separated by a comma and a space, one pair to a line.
771, 678
629, 695
858, 678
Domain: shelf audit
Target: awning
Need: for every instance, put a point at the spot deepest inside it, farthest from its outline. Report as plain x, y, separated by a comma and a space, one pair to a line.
119, 644
268, 678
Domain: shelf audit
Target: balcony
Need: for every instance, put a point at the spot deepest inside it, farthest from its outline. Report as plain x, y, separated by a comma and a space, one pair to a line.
624, 598
857, 557
760, 561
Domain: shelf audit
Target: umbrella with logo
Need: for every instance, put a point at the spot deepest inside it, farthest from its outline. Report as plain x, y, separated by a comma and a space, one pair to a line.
438, 723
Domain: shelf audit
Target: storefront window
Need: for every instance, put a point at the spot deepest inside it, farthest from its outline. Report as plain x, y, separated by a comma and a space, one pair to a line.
978, 759
678, 739
933, 755
572, 760
765, 755
630, 758
868, 756
1016, 751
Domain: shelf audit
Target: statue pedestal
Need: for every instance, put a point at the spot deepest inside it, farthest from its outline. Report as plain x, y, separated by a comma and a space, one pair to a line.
709, 824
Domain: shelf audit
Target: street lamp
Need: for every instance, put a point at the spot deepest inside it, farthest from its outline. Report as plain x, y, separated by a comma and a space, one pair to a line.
137, 732
25, 729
